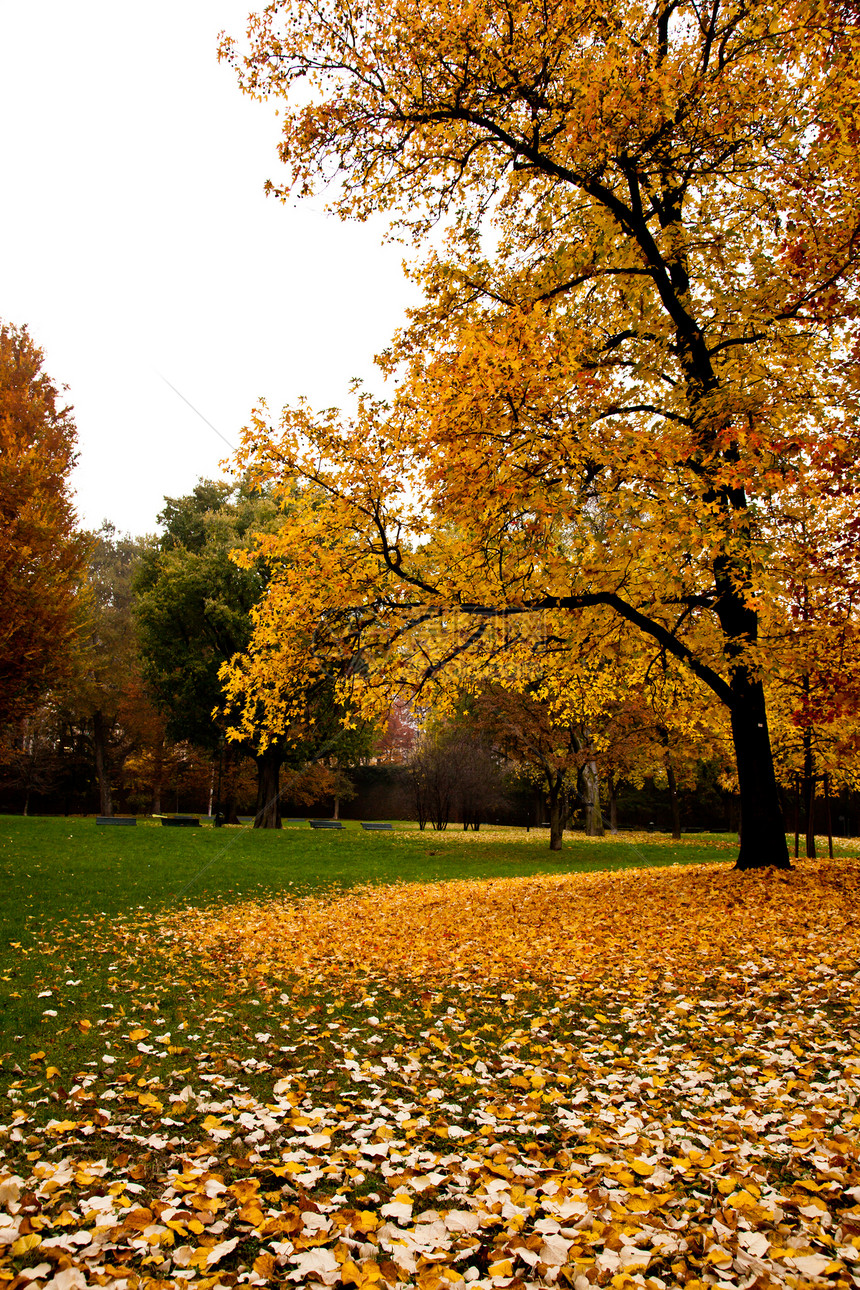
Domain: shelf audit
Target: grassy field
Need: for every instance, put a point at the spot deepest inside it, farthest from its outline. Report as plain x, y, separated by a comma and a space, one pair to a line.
59, 876
412, 1058
76, 866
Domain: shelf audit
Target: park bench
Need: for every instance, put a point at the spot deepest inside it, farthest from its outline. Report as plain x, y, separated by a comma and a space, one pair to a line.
374, 827
181, 821
325, 824
249, 819
115, 819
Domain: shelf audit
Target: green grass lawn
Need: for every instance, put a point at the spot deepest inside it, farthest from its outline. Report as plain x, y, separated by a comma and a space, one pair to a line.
131, 1053
65, 881
55, 868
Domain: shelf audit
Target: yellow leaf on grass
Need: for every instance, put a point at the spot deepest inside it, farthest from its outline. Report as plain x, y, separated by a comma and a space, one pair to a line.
25, 1244
503, 1268
642, 1168
742, 1200
245, 1189
252, 1214
135, 1035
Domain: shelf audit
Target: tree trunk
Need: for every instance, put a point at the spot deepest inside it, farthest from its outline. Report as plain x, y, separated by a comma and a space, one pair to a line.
809, 790
336, 811
762, 829
229, 810
100, 732
671, 782
557, 810
268, 814
612, 792
673, 799
762, 841
589, 786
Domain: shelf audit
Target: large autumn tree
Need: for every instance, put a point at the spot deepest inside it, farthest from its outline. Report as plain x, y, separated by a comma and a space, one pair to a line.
639, 330
41, 555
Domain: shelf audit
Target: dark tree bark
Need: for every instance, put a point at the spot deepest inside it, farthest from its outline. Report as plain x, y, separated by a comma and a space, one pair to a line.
557, 809
100, 738
674, 799
809, 790
612, 794
268, 813
229, 808
672, 783
762, 827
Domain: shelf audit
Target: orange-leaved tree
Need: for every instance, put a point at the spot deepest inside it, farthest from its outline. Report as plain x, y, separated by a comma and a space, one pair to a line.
41, 556
815, 689
639, 330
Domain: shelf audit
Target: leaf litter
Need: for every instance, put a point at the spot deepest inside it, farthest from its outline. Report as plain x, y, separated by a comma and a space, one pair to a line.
645, 1078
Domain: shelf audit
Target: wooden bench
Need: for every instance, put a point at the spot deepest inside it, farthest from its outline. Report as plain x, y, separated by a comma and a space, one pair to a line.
115, 819
373, 827
325, 824
181, 821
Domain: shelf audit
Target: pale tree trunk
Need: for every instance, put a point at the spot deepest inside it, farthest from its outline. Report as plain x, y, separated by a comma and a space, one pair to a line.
100, 734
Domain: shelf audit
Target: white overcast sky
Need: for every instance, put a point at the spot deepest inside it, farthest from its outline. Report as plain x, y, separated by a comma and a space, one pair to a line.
138, 246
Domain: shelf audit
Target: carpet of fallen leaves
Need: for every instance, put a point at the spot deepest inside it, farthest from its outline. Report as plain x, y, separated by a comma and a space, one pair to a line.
646, 1078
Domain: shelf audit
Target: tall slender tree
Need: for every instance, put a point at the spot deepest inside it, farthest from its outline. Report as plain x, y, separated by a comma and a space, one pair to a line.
42, 557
